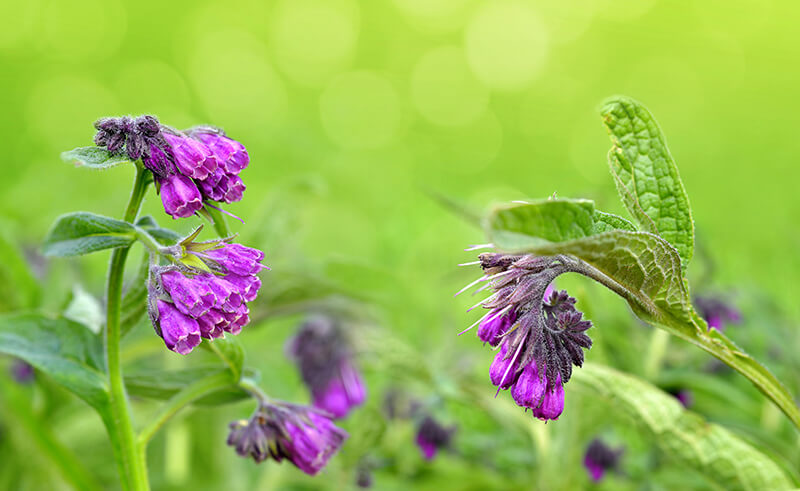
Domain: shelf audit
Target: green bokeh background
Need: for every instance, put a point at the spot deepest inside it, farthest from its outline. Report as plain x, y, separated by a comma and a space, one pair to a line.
354, 113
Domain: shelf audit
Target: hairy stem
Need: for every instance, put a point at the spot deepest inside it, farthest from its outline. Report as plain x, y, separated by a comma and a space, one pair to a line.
133, 472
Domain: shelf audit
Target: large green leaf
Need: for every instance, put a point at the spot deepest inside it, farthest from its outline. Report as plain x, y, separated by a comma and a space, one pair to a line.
82, 232
712, 450
646, 176
94, 158
644, 266
162, 385
65, 350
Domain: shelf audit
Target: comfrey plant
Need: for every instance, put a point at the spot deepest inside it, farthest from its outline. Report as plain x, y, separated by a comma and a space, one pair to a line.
325, 360
192, 291
539, 336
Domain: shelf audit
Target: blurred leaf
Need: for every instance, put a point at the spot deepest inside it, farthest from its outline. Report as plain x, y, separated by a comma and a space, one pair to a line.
646, 176
86, 309
94, 158
134, 300
19, 289
82, 232
65, 350
164, 236
162, 385
230, 351
720, 455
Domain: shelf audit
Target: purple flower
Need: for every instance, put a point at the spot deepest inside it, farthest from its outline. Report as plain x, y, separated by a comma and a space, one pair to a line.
493, 327
230, 153
134, 137
236, 259
684, 396
600, 458
180, 196
211, 297
323, 355
431, 436
541, 332
180, 332
717, 312
281, 431
191, 157
22, 372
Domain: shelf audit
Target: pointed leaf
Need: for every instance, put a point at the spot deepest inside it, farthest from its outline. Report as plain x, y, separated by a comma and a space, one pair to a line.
710, 449
162, 385
164, 236
82, 232
646, 176
65, 350
94, 158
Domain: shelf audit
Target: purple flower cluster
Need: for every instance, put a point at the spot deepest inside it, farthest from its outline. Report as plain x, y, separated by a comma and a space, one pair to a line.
539, 332
190, 167
431, 437
600, 458
300, 435
323, 355
187, 304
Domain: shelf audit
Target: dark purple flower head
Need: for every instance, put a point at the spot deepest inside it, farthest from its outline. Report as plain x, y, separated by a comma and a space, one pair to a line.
540, 333
600, 458
133, 136
323, 355
683, 395
717, 312
431, 437
300, 435
22, 372
199, 295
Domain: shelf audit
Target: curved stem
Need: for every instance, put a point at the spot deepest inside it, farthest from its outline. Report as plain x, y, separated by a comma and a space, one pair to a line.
220, 225
183, 398
132, 468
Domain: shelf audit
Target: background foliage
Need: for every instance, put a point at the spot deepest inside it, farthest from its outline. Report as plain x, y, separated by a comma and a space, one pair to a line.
354, 114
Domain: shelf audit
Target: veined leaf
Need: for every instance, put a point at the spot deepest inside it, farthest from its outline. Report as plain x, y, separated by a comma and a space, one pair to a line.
646, 176
65, 350
164, 236
164, 384
230, 351
94, 158
82, 232
710, 449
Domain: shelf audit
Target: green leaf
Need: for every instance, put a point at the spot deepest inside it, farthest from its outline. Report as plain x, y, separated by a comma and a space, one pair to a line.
134, 300
85, 309
65, 350
541, 222
710, 449
164, 236
82, 232
19, 288
603, 222
162, 385
230, 351
646, 176
94, 158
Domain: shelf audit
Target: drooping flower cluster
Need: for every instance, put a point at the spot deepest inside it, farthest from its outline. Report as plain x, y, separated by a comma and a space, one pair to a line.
600, 458
432, 436
191, 167
325, 359
540, 334
206, 294
280, 431
22, 372
717, 312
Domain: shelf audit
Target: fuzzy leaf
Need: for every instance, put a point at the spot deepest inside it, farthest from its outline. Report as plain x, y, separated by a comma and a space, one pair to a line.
65, 350
94, 158
164, 236
542, 222
82, 232
710, 449
162, 385
646, 176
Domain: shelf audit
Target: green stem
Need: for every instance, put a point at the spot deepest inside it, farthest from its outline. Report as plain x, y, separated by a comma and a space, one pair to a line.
133, 472
220, 225
655, 353
183, 398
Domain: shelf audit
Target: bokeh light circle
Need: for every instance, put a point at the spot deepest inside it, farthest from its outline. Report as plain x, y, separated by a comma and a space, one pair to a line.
90, 29
312, 40
506, 44
444, 90
435, 16
360, 109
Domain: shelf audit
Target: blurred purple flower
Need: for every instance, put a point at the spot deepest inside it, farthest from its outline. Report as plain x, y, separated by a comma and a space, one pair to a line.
684, 396
431, 437
717, 312
22, 372
541, 334
323, 355
600, 458
282, 431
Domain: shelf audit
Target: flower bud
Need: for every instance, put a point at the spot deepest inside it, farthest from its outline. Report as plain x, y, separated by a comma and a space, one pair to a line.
180, 196
529, 387
180, 332
503, 372
230, 153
